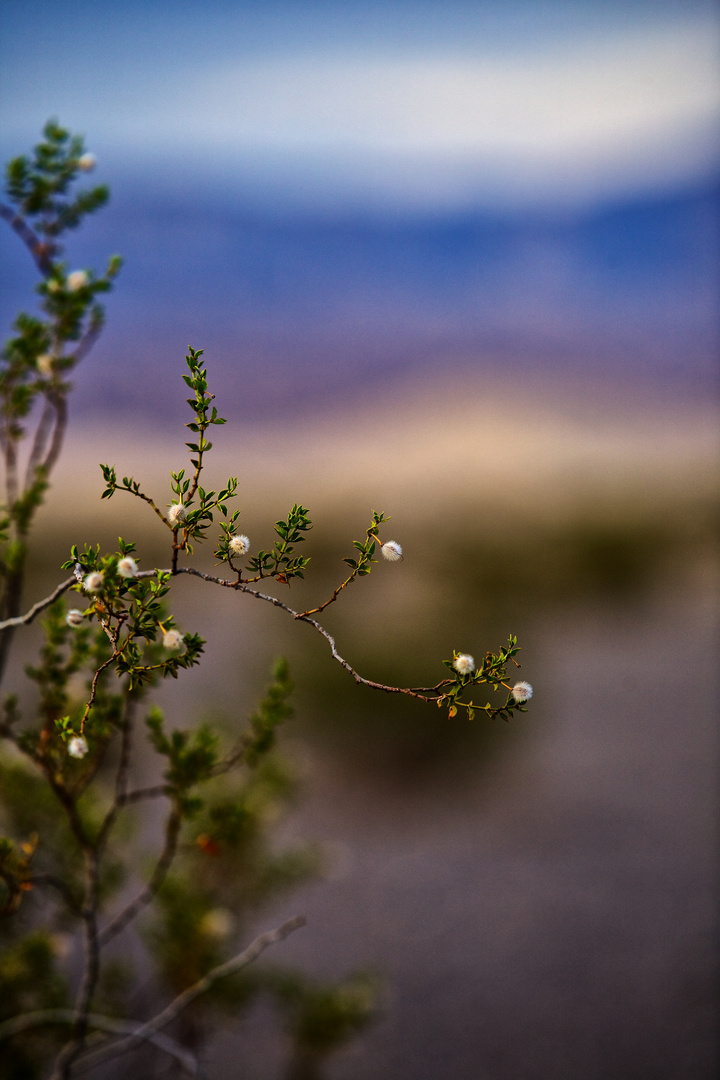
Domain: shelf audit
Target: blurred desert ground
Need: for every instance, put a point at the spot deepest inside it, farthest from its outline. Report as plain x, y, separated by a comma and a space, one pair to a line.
539, 898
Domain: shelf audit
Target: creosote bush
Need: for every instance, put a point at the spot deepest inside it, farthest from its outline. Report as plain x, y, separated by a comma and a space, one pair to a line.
71, 882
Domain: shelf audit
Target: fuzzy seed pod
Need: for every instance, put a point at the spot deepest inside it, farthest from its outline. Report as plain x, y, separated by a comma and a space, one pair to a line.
172, 640
93, 582
521, 691
239, 545
464, 664
392, 551
77, 747
176, 515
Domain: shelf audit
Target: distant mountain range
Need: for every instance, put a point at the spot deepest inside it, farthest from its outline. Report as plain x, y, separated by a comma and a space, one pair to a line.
294, 307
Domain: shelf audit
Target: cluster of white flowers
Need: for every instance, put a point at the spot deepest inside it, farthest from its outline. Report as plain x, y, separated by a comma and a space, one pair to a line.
464, 664
86, 162
176, 515
93, 581
127, 567
78, 279
239, 545
77, 747
521, 691
391, 551
173, 639
44, 364
74, 617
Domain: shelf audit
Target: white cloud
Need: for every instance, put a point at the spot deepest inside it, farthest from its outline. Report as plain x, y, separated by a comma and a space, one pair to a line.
576, 116
552, 102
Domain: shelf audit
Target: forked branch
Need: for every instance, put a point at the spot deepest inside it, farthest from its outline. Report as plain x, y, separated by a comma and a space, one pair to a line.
181, 1002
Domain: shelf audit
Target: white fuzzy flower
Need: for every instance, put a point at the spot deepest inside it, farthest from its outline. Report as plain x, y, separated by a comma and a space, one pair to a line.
78, 279
93, 582
74, 617
239, 545
127, 567
44, 364
464, 664
77, 747
521, 691
217, 923
176, 514
392, 551
172, 640
86, 162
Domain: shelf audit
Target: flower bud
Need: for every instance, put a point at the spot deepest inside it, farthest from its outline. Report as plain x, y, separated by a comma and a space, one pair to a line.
78, 279
77, 747
127, 567
172, 640
521, 691
392, 551
74, 617
464, 664
93, 582
44, 364
86, 162
239, 545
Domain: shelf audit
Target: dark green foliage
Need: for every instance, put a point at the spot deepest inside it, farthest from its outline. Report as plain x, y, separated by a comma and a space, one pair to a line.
29, 980
279, 562
361, 565
492, 670
320, 1018
39, 185
272, 710
35, 362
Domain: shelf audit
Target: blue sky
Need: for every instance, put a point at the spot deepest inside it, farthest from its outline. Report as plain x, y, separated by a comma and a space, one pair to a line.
326, 194
422, 104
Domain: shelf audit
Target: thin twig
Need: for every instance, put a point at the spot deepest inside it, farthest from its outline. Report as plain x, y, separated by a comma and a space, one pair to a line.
91, 970
238, 751
146, 793
423, 693
41, 251
40, 440
93, 687
60, 885
21, 620
86, 342
371, 535
58, 435
65, 798
118, 924
121, 778
181, 1002
11, 468
43, 1017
